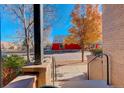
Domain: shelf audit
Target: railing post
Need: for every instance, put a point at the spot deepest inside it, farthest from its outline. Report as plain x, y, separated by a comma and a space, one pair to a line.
54, 74
53, 70
107, 58
88, 71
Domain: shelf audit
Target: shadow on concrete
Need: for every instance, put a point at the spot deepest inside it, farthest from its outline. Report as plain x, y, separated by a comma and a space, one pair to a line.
82, 82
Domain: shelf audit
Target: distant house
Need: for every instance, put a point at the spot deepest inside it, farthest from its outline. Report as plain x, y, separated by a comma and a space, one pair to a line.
10, 46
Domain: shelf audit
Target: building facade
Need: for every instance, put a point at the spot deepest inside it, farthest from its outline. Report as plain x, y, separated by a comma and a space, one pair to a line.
113, 41
10, 46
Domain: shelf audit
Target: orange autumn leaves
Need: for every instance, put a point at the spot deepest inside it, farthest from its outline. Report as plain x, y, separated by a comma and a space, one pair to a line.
86, 27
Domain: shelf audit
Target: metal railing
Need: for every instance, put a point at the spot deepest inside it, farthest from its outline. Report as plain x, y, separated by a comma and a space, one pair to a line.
54, 74
107, 58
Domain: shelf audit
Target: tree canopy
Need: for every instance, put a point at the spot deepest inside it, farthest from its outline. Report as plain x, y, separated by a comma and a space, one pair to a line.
87, 26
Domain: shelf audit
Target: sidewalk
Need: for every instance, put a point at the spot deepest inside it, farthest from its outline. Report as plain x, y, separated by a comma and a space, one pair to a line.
71, 72
70, 68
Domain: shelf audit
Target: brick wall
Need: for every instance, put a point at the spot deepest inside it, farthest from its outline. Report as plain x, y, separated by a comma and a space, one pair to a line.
113, 41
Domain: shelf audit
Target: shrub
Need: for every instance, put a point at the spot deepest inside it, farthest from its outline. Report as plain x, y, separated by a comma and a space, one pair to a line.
11, 67
97, 51
13, 61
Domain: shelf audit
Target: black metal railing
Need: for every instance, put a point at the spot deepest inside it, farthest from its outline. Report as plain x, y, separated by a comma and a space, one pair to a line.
108, 74
107, 58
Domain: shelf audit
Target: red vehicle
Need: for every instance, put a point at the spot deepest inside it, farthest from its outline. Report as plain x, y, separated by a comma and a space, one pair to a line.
58, 44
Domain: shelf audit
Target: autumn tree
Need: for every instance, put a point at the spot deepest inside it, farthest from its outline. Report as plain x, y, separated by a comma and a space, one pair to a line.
87, 26
70, 40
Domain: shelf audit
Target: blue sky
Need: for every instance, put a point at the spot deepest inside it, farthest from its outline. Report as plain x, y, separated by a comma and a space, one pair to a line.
59, 27
9, 26
63, 23
8, 29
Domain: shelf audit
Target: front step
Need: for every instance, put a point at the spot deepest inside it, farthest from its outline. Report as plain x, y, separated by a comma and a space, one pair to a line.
85, 84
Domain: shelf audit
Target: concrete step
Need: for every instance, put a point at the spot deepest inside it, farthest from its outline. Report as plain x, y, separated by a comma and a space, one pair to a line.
85, 84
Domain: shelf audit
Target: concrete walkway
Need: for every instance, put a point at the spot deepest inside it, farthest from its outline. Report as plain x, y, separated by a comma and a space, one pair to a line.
69, 68
71, 72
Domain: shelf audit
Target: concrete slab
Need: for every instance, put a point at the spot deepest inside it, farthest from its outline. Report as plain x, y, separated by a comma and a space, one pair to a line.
85, 84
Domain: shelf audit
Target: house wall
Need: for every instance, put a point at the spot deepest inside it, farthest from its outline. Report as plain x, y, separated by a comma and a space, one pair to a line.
95, 68
113, 41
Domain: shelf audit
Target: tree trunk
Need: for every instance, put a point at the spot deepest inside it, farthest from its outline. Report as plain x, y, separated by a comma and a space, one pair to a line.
82, 51
26, 38
27, 46
27, 42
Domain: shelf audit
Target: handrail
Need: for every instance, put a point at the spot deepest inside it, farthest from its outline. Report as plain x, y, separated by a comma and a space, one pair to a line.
54, 70
93, 59
107, 57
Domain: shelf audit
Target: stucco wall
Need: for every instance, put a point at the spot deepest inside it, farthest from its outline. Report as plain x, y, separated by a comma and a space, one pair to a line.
95, 68
113, 41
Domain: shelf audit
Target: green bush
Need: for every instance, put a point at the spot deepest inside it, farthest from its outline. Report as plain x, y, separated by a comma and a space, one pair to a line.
13, 61
97, 51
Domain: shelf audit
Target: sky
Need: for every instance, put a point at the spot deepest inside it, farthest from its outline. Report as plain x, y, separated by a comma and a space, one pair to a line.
9, 26
63, 23
59, 26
